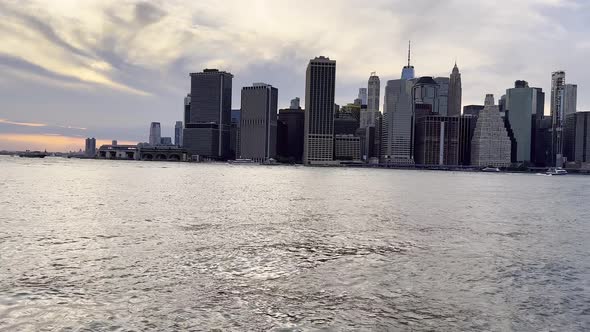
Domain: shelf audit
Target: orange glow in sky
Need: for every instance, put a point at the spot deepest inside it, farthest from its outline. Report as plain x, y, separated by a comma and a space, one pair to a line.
53, 143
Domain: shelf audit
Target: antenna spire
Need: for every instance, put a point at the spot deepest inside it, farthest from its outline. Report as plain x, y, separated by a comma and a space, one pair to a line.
409, 51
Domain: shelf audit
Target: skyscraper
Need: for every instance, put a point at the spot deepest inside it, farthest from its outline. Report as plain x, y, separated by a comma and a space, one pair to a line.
443, 95
490, 145
295, 103
155, 134
319, 111
290, 138
396, 142
577, 137
207, 131
374, 89
90, 149
178, 133
455, 92
425, 97
523, 105
258, 129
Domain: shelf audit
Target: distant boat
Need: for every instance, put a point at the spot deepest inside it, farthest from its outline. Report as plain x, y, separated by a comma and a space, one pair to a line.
33, 154
556, 171
491, 170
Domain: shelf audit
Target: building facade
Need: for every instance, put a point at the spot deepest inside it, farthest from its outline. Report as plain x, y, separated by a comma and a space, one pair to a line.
290, 135
443, 140
577, 137
397, 133
523, 105
455, 92
443, 95
155, 134
178, 128
90, 148
319, 111
234, 134
490, 145
563, 102
347, 147
258, 124
207, 129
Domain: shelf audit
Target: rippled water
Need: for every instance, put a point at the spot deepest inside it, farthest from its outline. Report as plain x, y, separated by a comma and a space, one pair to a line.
91, 245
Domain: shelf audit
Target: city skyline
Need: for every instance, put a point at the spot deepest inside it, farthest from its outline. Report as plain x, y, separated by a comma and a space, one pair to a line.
107, 79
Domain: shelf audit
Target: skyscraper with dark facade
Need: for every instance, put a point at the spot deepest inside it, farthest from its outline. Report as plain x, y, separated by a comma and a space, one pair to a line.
523, 106
207, 130
319, 111
178, 133
258, 129
291, 125
455, 92
577, 137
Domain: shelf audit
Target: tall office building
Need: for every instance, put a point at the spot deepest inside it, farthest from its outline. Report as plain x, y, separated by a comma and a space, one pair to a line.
187, 108
234, 134
397, 138
291, 124
207, 129
90, 149
320, 85
490, 145
443, 140
577, 137
258, 129
443, 95
295, 103
455, 92
523, 106
178, 133
155, 134
369, 114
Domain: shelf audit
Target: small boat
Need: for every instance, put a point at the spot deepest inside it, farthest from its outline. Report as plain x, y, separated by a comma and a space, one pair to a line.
491, 170
556, 171
33, 154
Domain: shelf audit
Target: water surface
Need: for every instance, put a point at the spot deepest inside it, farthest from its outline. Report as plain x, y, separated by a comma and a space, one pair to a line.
89, 245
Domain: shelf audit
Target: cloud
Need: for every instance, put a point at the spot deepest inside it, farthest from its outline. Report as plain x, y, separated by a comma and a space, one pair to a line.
115, 66
25, 124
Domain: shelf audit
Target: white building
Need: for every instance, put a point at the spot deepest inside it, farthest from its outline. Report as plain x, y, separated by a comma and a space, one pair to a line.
397, 123
490, 145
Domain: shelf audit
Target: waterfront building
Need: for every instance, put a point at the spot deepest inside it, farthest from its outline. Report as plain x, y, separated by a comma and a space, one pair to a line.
258, 128
319, 111
290, 138
347, 147
455, 92
234, 134
577, 137
178, 133
523, 106
90, 149
563, 102
490, 145
207, 131
472, 110
443, 140
116, 151
155, 134
397, 138
443, 95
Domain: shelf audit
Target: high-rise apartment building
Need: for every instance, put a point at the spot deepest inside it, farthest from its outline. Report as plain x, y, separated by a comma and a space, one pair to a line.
258, 128
319, 111
155, 134
178, 133
455, 92
207, 127
490, 145
523, 106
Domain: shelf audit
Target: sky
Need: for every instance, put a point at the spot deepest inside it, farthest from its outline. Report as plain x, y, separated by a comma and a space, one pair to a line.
71, 69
